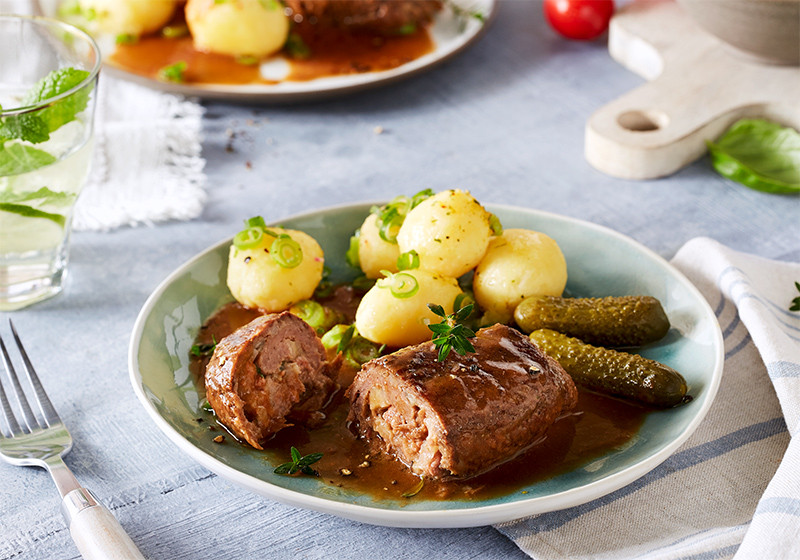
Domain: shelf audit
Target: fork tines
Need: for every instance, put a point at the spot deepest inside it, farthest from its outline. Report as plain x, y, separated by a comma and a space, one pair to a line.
30, 420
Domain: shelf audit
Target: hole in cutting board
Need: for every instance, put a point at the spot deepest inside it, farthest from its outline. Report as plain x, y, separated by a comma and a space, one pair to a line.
643, 121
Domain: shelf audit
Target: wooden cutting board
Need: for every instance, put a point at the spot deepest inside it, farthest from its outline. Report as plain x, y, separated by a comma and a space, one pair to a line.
698, 86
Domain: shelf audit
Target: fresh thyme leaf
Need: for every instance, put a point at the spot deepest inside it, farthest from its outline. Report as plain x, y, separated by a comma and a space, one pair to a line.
450, 334
416, 489
796, 301
206, 349
299, 464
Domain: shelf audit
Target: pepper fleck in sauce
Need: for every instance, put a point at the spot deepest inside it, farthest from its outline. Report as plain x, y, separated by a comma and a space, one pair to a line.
597, 425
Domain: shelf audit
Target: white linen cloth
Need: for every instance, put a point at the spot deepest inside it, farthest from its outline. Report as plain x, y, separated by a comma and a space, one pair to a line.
147, 165
733, 489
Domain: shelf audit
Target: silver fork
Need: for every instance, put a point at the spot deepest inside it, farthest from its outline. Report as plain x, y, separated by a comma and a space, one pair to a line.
40, 438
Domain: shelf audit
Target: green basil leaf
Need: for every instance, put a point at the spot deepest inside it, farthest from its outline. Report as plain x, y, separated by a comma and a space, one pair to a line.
759, 154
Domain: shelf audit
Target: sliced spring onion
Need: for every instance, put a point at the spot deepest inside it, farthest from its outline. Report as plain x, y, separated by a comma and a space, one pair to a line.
351, 256
248, 238
402, 285
494, 223
286, 251
337, 335
311, 312
420, 196
389, 223
408, 260
255, 221
360, 351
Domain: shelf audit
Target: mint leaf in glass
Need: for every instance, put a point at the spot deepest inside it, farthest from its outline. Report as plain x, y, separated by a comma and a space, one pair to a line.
21, 158
29, 127
54, 84
43, 196
759, 154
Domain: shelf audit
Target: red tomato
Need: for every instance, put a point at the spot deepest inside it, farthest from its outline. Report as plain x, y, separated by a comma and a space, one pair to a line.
579, 19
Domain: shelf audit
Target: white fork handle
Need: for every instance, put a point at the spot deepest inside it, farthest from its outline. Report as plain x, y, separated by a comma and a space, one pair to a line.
96, 532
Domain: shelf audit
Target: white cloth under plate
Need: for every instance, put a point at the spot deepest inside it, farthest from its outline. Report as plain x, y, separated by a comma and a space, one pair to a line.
147, 165
733, 489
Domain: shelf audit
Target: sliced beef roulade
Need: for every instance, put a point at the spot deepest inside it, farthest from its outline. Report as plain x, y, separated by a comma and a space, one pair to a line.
463, 416
267, 375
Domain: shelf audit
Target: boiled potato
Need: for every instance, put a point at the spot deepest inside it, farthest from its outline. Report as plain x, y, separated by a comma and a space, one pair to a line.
237, 27
518, 264
375, 254
129, 17
257, 280
384, 318
450, 231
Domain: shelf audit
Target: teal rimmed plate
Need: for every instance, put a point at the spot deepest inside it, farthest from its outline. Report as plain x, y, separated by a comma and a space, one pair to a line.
600, 262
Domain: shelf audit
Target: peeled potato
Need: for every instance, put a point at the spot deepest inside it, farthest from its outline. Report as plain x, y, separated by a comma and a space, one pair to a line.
386, 319
257, 280
518, 264
375, 254
238, 27
450, 231
129, 17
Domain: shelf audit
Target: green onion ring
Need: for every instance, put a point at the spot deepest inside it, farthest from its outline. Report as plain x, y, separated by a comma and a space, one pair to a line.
402, 285
408, 260
360, 351
311, 312
286, 251
248, 238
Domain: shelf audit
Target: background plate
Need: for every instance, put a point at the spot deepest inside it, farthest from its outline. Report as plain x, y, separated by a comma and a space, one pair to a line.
451, 34
600, 262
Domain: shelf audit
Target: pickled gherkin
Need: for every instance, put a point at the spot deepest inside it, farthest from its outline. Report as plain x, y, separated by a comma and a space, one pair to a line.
612, 372
609, 321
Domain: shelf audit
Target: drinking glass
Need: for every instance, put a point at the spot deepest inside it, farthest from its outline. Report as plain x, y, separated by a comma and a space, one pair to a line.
48, 79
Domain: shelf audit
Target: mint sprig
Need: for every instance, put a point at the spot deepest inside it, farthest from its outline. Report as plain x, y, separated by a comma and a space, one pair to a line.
54, 84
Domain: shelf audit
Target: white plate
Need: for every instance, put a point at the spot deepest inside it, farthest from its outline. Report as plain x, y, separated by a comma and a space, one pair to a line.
451, 34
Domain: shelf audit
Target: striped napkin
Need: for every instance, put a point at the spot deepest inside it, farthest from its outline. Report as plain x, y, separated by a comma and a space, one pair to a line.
733, 489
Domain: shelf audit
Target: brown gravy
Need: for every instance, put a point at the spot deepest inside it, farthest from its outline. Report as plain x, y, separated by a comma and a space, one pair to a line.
333, 52
597, 425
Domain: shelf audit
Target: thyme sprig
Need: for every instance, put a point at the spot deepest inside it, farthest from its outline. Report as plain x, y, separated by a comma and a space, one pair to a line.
299, 464
451, 333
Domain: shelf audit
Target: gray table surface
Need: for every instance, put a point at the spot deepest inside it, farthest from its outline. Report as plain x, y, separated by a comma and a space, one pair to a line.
504, 120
